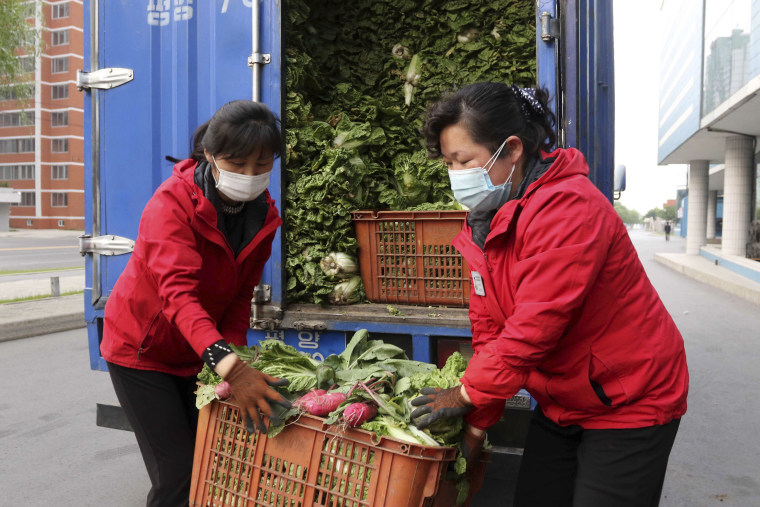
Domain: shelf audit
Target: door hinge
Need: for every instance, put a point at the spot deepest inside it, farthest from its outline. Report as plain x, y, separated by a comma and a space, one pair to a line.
105, 245
259, 59
549, 27
264, 315
104, 79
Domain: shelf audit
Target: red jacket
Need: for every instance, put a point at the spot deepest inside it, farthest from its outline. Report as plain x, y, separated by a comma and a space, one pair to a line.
183, 289
569, 313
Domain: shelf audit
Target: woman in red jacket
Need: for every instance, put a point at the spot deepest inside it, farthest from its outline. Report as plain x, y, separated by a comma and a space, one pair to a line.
186, 291
560, 305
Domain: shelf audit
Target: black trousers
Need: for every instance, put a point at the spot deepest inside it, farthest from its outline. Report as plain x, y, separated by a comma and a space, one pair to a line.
161, 409
570, 466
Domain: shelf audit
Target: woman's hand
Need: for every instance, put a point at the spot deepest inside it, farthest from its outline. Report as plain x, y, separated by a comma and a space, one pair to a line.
440, 403
472, 446
252, 392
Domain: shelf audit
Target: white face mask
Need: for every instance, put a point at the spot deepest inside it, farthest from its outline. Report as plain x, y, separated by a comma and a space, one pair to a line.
472, 186
241, 187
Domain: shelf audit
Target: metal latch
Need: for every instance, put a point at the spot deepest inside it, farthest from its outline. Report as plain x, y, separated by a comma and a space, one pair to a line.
262, 293
519, 401
259, 59
309, 325
549, 27
104, 79
105, 245
264, 316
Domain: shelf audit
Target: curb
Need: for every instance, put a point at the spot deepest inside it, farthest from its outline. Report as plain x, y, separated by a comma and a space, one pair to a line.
43, 325
704, 271
24, 319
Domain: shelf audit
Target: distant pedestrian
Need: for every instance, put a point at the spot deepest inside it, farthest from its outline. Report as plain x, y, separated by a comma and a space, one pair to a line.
667, 231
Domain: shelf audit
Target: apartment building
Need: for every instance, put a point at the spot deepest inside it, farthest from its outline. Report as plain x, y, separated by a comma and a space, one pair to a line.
42, 141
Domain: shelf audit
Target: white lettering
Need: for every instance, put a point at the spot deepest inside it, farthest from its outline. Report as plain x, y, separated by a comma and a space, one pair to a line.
308, 340
182, 12
158, 12
275, 335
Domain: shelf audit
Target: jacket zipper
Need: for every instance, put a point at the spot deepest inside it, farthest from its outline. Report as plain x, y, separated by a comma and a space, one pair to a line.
488, 264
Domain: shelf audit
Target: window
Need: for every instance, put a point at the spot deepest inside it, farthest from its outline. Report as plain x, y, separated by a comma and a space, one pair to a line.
59, 38
26, 64
59, 199
59, 65
25, 172
58, 92
59, 145
25, 145
61, 223
17, 172
10, 92
60, 10
59, 172
27, 199
16, 119
59, 119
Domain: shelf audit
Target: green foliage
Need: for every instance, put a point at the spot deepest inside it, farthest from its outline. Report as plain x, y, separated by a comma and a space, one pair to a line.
283, 361
18, 37
629, 216
655, 213
669, 213
358, 77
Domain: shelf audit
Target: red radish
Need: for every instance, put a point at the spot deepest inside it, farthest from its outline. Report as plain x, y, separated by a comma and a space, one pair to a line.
309, 396
322, 404
223, 390
358, 413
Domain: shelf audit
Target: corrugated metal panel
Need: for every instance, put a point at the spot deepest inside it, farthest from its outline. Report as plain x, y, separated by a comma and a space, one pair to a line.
588, 86
188, 59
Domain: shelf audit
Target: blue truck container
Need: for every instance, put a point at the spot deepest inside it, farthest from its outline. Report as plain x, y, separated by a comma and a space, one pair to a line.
159, 68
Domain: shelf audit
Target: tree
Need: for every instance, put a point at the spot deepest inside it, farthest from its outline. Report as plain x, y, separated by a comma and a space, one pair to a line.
628, 216
655, 213
19, 40
669, 213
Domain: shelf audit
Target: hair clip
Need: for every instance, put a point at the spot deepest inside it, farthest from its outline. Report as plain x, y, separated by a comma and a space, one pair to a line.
527, 99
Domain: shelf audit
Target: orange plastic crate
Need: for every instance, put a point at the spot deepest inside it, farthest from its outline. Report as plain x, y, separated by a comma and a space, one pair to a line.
406, 257
310, 464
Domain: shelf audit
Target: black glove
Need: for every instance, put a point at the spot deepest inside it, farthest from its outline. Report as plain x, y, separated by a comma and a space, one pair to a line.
253, 394
439, 403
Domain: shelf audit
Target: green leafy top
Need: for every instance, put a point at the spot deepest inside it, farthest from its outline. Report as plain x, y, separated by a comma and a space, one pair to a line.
358, 78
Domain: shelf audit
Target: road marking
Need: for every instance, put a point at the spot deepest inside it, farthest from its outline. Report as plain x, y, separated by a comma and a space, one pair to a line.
35, 248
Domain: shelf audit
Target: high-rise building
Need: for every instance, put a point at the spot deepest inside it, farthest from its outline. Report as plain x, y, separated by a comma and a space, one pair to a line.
42, 140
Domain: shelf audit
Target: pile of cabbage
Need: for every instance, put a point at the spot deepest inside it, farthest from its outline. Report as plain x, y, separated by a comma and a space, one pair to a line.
358, 77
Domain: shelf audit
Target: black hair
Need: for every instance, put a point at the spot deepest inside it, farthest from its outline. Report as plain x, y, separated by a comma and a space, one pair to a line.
491, 112
238, 129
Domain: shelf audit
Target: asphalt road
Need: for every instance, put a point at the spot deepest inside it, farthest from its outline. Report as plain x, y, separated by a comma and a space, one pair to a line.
52, 451
37, 250
716, 456
53, 454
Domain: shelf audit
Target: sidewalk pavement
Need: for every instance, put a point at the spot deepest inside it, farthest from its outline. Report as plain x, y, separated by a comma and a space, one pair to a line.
22, 319
21, 286
706, 271
36, 317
